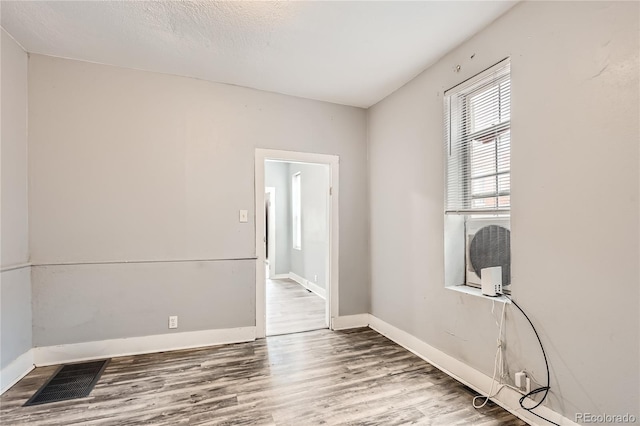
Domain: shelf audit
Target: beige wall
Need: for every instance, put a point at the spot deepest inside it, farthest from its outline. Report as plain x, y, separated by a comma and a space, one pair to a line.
15, 235
137, 166
276, 175
575, 188
15, 284
311, 261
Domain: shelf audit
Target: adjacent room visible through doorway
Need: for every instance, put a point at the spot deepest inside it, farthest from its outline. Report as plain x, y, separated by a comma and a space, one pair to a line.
296, 246
297, 241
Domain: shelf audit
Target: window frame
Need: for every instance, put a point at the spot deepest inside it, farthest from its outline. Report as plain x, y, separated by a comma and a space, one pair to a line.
459, 181
296, 211
496, 131
458, 121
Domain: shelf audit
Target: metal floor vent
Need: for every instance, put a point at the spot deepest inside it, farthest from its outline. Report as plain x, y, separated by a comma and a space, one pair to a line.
70, 381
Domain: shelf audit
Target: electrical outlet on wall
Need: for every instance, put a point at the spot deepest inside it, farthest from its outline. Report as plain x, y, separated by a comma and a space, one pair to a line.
173, 321
315, 279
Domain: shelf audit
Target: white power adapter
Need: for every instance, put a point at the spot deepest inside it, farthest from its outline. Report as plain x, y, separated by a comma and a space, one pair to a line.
491, 279
523, 382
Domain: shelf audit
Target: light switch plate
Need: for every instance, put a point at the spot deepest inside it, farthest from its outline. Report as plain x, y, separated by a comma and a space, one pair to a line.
244, 214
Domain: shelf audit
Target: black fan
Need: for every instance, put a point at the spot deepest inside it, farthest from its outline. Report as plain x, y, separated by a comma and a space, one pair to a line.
491, 246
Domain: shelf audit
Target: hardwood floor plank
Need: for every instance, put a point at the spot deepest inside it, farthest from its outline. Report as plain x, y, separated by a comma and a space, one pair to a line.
292, 309
352, 377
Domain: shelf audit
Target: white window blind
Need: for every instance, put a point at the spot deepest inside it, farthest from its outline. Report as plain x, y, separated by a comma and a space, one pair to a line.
478, 143
296, 206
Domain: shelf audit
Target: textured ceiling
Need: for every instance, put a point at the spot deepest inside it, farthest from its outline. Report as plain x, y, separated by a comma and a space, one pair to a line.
352, 53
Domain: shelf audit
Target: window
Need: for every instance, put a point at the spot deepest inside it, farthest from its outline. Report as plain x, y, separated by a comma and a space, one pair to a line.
296, 214
478, 176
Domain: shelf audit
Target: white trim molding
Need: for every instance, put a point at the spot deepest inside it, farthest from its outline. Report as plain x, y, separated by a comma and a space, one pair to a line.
469, 376
350, 321
74, 352
271, 226
12, 373
315, 288
297, 278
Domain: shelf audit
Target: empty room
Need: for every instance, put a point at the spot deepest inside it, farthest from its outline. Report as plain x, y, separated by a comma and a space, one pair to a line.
300, 212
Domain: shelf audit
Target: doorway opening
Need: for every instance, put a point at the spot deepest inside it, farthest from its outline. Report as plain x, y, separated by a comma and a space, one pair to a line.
296, 241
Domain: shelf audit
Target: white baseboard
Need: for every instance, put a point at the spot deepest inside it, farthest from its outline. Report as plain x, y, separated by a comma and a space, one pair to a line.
61, 354
12, 373
317, 289
280, 277
308, 285
297, 278
350, 321
480, 382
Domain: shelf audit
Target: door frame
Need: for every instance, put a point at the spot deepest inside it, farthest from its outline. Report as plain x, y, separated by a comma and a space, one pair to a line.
332, 297
271, 244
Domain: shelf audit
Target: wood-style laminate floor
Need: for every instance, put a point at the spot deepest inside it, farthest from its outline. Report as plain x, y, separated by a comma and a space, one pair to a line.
291, 308
354, 377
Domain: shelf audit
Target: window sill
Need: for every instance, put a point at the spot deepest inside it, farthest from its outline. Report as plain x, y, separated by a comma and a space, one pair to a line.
473, 291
